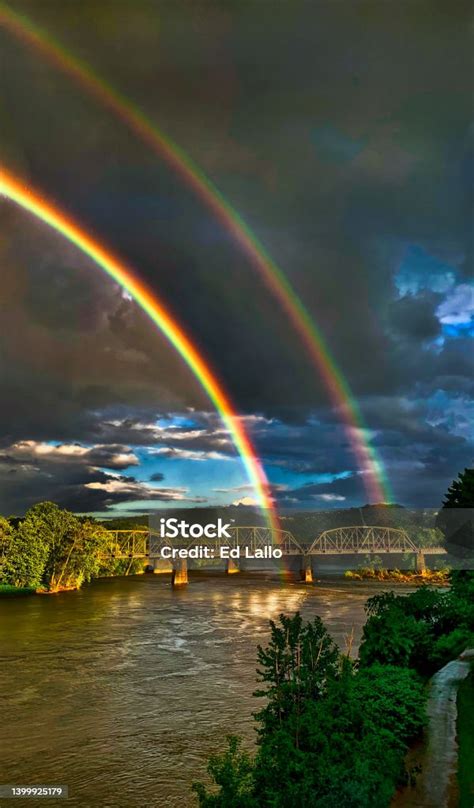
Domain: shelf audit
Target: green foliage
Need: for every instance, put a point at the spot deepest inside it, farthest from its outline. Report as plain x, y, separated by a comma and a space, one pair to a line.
462, 584
295, 666
351, 743
110, 567
71, 545
233, 772
423, 630
329, 734
25, 561
342, 756
460, 493
55, 531
351, 575
7, 537
392, 698
50, 548
78, 559
392, 639
451, 645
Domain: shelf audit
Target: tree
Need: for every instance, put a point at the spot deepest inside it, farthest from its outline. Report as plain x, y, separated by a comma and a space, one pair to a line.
77, 559
56, 549
52, 529
352, 742
295, 666
26, 558
233, 773
342, 743
7, 535
460, 493
456, 518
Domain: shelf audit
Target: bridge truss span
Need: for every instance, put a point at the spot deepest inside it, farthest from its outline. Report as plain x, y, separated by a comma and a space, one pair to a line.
258, 538
127, 544
150, 544
362, 539
357, 539
249, 539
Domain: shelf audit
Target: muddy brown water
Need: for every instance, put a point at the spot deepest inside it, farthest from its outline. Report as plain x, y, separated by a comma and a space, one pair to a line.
124, 689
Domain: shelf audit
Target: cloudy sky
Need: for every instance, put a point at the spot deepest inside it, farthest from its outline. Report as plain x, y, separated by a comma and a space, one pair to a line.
341, 132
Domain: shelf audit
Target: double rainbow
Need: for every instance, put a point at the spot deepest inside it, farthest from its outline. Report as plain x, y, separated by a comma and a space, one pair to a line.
370, 465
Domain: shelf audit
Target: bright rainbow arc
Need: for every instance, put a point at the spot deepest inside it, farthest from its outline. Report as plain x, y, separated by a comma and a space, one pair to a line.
370, 465
31, 201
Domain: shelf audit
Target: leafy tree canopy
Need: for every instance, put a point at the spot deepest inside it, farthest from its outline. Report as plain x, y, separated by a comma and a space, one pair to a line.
50, 548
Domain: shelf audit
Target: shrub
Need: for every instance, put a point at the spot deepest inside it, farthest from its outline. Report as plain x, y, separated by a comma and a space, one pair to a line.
450, 646
233, 772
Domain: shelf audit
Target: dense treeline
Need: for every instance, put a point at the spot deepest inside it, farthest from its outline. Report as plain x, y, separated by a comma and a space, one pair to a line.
333, 731
51, 549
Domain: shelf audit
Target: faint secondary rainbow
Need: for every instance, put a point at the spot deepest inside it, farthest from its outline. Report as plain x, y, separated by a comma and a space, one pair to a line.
16, 191
370, 465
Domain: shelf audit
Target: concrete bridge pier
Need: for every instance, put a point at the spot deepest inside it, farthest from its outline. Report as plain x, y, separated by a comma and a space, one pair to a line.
420, 565
231, 566
307, 570
179, 576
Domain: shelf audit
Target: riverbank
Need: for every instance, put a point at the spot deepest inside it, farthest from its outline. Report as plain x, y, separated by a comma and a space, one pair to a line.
433, 577
9, 591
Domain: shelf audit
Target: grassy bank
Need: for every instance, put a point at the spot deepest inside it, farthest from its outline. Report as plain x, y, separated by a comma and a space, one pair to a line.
7, 591
466, 742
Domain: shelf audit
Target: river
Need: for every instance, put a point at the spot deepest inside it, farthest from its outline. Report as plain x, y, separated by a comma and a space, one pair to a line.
123, 689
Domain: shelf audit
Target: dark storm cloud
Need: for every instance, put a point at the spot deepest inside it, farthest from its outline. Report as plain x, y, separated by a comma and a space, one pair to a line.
414, 317
30, 471
310, 224
71, 343
339, 131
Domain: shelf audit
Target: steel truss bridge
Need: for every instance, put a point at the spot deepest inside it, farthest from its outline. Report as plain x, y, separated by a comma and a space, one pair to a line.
367, 539
149, 543
370, 539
